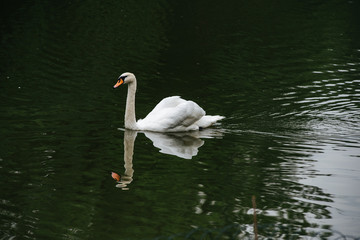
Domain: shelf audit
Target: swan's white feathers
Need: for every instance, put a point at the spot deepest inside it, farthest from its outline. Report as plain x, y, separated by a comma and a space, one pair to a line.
207, 121
172, 114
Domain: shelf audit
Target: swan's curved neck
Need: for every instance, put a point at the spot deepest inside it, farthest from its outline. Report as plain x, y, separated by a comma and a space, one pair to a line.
130, 119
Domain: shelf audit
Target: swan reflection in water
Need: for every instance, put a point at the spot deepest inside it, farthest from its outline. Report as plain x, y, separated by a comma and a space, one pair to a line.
184, 145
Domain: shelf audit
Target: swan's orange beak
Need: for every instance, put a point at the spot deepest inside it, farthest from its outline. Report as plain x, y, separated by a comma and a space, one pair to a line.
119, 82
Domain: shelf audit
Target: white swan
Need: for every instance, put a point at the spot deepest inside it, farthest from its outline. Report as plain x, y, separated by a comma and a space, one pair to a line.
172, 114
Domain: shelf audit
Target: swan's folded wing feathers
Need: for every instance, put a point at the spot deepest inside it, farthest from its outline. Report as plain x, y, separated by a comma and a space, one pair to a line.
169, 102
184, 114
191, 113
173, 113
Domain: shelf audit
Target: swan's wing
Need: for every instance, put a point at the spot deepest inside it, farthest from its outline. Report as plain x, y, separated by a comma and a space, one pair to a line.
186, 114
166, 103
172, 114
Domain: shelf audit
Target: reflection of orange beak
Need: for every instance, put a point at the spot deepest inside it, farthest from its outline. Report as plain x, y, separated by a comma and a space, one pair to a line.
115, 176
119, 82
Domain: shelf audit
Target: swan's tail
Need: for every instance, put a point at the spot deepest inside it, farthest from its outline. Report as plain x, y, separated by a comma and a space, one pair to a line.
207, 121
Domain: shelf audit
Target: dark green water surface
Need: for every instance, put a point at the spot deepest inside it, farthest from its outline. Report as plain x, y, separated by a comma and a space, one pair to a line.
286, 74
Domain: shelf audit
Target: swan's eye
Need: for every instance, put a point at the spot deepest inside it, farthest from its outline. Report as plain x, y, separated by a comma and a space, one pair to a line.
122, 77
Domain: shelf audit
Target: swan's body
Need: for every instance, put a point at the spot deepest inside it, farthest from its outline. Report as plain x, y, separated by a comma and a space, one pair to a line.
172, 114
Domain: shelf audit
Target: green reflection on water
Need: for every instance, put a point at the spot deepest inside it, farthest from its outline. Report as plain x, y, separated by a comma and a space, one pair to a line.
285, 75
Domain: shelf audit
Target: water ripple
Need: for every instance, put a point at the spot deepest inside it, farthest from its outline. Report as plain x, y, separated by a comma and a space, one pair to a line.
331, 97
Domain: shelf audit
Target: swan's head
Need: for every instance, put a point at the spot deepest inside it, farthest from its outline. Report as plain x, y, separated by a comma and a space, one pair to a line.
124, 79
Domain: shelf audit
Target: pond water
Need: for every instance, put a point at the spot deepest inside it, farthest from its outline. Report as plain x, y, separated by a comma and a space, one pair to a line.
284, 164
